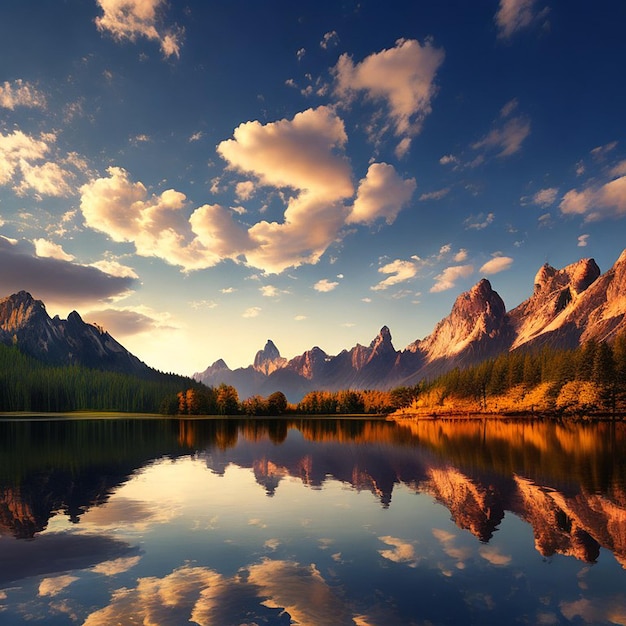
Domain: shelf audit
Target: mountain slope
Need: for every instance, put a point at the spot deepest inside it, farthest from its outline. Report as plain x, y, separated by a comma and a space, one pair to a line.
25, 323
567, 307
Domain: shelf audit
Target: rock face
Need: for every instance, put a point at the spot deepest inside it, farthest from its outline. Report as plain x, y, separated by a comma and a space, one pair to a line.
567, 307
25, 323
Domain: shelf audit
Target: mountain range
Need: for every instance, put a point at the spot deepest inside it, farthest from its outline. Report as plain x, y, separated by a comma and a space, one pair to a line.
567, 307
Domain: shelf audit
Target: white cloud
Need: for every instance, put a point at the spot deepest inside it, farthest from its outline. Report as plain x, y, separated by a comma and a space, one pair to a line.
582, 240
299, 154
49, 179
270, 291
514, 15
402, 76
399, 271
53, 586
115, 268
300, 318
130, 19
460, 256
381, 194
496, 265
157, 224
329, 39
48, 249
244, 190
435, 195
546, 197
300, 54
506, 139
450, 275
125, 321
228, 290
252, 311
324, 285
400, 552
17, 148
598, 202
601, 152
479, 222
448, 159
21, 93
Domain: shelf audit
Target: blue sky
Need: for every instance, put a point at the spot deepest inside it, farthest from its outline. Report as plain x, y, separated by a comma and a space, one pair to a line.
198, 177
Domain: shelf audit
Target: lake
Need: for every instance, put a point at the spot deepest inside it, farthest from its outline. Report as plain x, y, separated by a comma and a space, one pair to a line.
311, 521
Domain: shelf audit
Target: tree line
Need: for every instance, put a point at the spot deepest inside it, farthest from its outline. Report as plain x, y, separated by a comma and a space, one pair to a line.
590, 378
27, 384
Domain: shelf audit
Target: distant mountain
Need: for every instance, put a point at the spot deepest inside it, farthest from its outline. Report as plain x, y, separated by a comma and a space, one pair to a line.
567, 307
25, 323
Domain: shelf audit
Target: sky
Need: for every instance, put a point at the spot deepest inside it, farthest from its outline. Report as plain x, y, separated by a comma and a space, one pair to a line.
198, 177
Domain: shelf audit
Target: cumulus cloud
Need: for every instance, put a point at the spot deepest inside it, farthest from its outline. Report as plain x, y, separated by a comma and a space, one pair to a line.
449, 277
54, 280
496, 265
399, 271
17, 148
402, 76
324, 285
270, 291
20, 93
546, 197
131, 19
48, 249
400, 551
514, 15
582, 240
157, 224
494, 556
253, 311
381, 194
244, 190
304, 154
597, 202
48, 179
53, 586
448, 159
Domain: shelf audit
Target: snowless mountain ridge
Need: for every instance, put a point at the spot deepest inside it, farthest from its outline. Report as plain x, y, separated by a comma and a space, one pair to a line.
568, 306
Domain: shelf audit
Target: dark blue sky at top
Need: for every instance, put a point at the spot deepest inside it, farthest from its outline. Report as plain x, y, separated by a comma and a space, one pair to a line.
122, 102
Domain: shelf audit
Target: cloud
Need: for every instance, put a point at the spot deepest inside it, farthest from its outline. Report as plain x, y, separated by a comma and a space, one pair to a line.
21, 94
514, 15
131, 19
582, 240
447, 159
53, 586
115, 268
618, 170
401, 552
479, 222
48, 249
402, 76
331, 38
269, 291
460, 256
435, 195
601, 152
381, 194
399, 270
49, 179
304, 154
546, 197
300, 591
116, 566
17, 148
157, 225
507, 138
325, 285
55, 280
126, 321
494, 556
253, 311
244, 190
447, 279
597, 202
496, 265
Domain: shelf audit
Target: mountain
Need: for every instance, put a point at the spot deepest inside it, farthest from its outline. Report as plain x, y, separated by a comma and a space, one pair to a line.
567, 307
25, 323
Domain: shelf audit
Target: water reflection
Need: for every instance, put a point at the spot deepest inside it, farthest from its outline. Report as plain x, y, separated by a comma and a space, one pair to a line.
311, 521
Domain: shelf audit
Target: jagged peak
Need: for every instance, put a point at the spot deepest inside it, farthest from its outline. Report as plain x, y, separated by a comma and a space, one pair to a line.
220, 364
578, 275
383, 337
621, 259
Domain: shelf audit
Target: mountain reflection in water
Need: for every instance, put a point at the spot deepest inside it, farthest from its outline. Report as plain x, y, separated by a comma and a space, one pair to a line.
568, 481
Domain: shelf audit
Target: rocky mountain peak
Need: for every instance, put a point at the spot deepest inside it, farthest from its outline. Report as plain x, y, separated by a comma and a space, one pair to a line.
20, 309
268, 360
382, 342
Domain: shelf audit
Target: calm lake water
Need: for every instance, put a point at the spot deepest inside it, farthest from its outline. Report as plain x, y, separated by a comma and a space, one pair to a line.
363, 522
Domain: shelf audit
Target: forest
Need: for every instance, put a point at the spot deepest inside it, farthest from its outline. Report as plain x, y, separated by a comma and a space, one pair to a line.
589, 380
